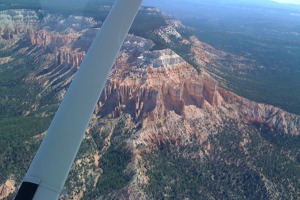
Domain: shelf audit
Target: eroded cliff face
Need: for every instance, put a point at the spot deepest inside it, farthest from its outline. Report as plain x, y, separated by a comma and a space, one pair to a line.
16, 22
177, 87
56, 36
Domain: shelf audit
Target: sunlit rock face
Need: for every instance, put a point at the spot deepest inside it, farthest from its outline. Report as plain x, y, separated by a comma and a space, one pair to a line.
158, 59
176, 86
7, 188
15, 22
42, 29
18, 19
166, 32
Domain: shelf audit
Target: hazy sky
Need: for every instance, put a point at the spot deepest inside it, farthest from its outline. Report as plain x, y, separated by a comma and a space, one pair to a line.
288, 1
278, 1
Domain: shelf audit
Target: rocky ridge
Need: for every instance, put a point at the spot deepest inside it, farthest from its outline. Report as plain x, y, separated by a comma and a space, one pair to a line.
169, 31
175, 86
175, 105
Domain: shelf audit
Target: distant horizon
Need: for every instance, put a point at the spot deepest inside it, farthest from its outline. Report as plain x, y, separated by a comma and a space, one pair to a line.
288, 1
295, 2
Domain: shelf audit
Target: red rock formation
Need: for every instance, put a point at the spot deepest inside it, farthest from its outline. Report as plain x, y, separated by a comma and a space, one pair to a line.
43, 38
165, 88
71, 58
157, 92
8, 34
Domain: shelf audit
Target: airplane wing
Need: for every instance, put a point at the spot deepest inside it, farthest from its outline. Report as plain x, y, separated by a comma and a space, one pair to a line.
49, 169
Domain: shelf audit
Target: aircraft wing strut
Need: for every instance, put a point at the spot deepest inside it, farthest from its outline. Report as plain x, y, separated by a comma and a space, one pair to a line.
49, 169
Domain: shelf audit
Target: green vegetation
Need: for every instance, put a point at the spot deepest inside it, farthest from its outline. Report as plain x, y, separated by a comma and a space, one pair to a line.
280, 89
14, 94
97, 137
19, 122
228, 171
263, 39
90, 8
17, 145
114, 161
114, 178
144, 25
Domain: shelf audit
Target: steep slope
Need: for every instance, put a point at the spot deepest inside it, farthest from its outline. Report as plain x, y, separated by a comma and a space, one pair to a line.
162, 128
174, 127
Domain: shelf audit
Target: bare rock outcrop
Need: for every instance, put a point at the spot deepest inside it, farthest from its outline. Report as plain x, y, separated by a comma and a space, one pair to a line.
44, 38
175, 87
71, 58
15, 22
166, 32
7, 188
263, 114
157, 59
